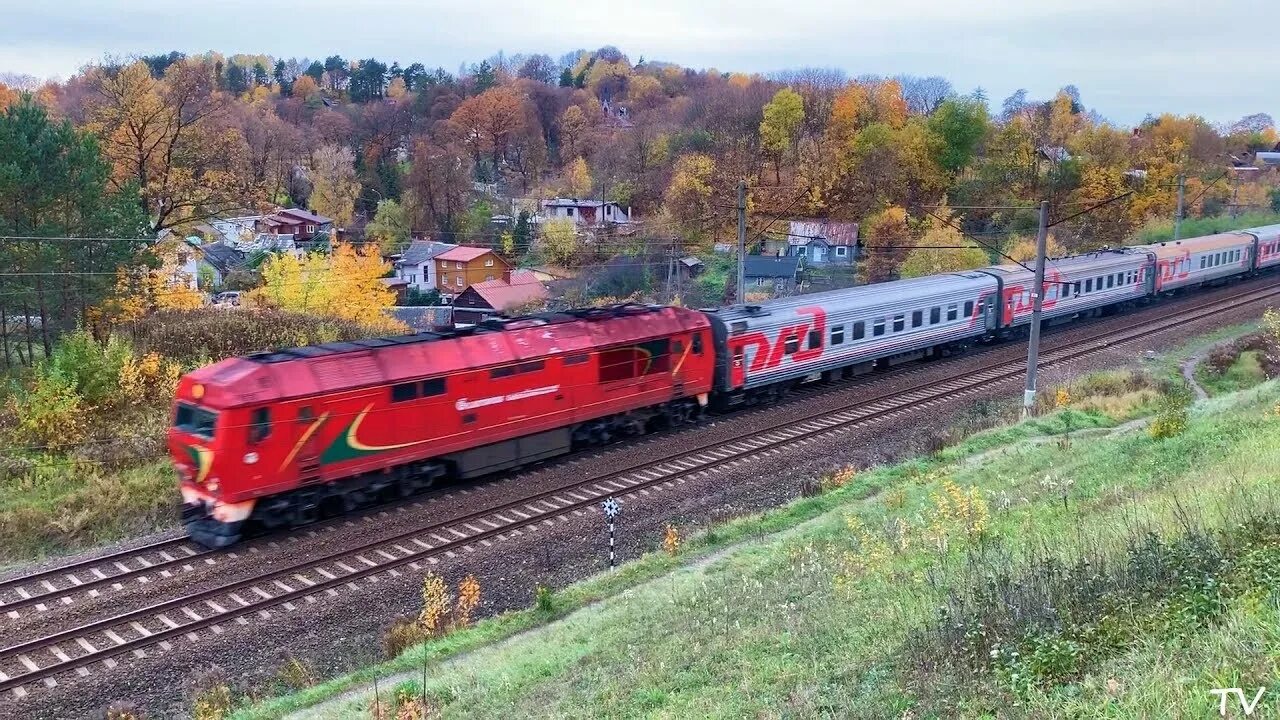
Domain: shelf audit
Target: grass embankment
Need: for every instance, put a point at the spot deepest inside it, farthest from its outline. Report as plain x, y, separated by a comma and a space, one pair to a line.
1025, 570
82, 456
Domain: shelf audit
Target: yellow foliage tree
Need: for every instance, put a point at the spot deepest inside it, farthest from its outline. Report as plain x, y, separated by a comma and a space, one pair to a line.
942, 249
578, 178
1023, 249
783, 116
558, 243
688, 197
335, 185
397, 89
346, 284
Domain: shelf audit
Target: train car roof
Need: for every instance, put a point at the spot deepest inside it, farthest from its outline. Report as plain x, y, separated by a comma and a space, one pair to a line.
1264, 233
927, 286
1100, 258
1173, 248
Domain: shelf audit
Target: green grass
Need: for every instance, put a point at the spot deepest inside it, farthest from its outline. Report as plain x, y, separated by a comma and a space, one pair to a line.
1245, 372
53, 506
1195, 227
818, 618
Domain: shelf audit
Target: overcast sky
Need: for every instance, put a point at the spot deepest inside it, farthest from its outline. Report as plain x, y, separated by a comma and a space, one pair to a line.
1128, 57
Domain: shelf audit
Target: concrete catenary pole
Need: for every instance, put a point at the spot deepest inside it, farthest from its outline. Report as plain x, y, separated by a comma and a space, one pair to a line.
1177, 219
1037, 304
742, 242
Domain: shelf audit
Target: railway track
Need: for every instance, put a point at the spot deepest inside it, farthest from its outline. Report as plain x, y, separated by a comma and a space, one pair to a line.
99, 642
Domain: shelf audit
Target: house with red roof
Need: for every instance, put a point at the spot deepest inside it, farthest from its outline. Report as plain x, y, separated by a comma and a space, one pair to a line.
461, 267
496, 297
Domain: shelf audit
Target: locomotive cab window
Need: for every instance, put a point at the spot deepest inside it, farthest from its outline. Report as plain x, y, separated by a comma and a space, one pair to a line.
859, 330
917, 318
434, 386
935, 315
501, 372
195, 420
837, 335
404, 392
697, 343
260, 427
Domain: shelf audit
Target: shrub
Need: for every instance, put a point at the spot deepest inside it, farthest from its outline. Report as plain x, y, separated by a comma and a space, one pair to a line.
1171, 413
544, 600
671, 541
122, 710
211, 694
51, 413
401, 634
195, 337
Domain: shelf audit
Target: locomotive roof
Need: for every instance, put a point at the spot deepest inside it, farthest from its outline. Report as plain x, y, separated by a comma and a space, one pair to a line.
897, 289
491, 325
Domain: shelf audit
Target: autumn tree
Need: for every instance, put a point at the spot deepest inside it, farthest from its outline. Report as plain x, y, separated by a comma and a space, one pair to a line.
886, 237
390, 227
437, 184
688, 196
942, 249
345, 284
783, 116
558, 241
573, 127
578, 178
166, 138
335, 185
961, 124
489, 120
1022, 248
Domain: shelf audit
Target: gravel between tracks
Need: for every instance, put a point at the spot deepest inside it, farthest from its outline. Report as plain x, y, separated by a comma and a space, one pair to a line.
340, 633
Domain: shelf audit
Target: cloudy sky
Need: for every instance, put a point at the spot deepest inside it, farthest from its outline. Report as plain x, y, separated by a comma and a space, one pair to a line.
1128, 57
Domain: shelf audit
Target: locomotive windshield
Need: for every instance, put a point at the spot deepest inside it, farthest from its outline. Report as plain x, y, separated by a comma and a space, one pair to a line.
195, 420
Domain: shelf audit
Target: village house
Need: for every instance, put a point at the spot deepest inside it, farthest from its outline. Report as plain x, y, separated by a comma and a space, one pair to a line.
461, 267
585, 212
771, 273
819, 242
301, 224
495, 297
417, 266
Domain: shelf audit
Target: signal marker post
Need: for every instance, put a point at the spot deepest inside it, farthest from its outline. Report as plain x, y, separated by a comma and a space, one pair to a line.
611, 511
1037, 303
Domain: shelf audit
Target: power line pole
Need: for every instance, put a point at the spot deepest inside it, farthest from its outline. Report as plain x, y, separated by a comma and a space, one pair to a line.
1037, 300
742, 242
671, 268
1177, 220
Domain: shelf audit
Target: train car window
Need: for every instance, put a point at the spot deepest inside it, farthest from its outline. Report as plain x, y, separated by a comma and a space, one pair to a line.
501, 372
878, 328
859, 330
738, 327
917, 318
404, 392
306, 414
792, 345
837, 335
260, 427
815, 339
1111, 281
1088, 285
434, 386
899, 322
1077, 287
952, 311
1097, 284
968, 308
582, 357
935, 315
697, 343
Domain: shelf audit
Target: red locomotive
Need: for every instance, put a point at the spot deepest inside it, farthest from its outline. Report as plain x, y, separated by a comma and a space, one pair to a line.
282, 438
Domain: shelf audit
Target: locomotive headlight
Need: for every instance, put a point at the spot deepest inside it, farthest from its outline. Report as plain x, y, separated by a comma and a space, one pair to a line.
213, 485
250, 458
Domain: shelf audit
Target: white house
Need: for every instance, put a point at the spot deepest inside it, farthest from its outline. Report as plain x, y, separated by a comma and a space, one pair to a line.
417, 265
585, 212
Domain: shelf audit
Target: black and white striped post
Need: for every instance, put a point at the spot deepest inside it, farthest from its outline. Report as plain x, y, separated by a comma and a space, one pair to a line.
611, 511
